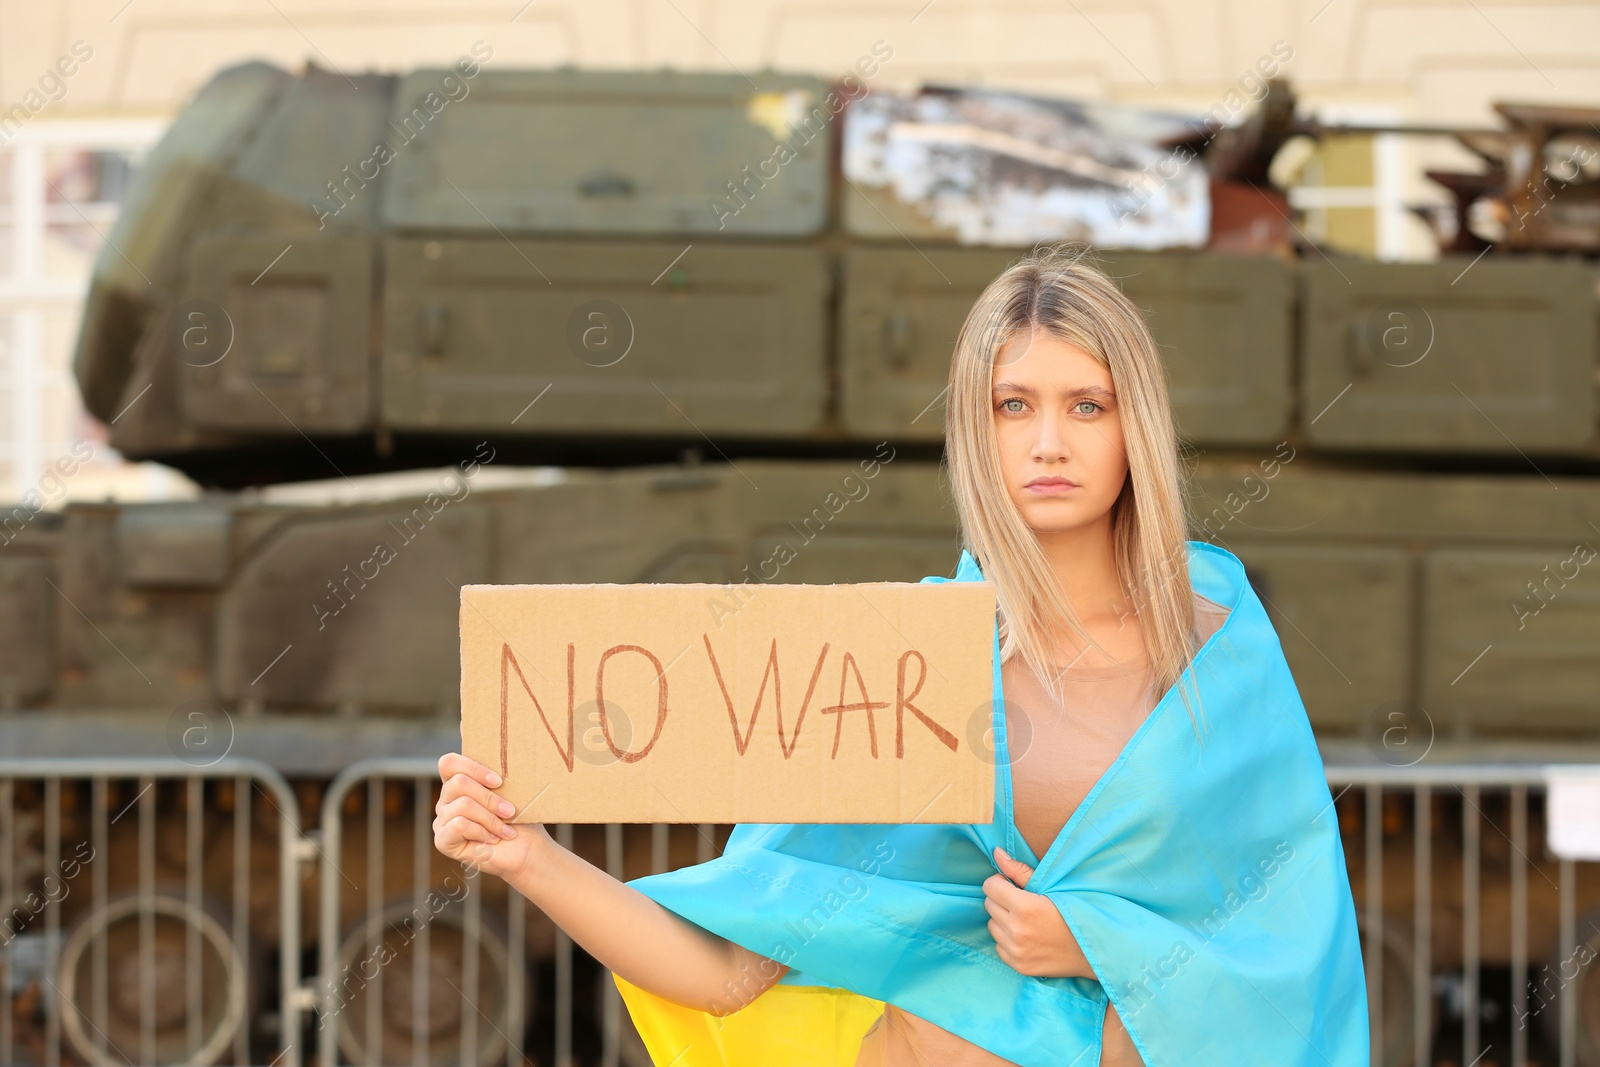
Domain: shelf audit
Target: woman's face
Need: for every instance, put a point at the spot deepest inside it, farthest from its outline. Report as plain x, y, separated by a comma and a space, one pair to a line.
1059, 432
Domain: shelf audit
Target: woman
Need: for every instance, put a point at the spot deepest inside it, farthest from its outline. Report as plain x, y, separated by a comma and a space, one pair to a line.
1158, 885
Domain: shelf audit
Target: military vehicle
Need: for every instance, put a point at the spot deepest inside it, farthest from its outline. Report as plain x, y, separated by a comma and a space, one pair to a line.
628, 327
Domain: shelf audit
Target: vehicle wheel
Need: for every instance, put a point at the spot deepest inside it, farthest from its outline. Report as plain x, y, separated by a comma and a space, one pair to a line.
116, 1037
376, 988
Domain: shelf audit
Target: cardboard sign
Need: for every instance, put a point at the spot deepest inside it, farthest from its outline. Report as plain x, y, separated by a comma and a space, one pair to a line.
733, 703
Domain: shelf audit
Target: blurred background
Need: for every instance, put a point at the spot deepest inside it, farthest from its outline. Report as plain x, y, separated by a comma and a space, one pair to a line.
312, 313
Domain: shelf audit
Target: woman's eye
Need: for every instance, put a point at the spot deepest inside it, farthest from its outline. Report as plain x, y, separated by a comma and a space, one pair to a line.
1004, 405
1087, 407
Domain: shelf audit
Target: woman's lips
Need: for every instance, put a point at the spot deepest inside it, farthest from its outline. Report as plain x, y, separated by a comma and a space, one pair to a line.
1051, 488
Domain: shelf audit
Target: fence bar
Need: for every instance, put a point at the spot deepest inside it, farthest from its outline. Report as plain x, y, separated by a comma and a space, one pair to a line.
100, 1007
8, 877
708, 844
1471, 921
1519, 923
421, 842
193, 801
1373, 817
472, 933
242, 826
147, 917
329, 1006
329, 1002
375, 931
52, 911
1422, 922
563, 974
1458, 774
611, 999
288, 918
516, 969
1569, 947
659, 839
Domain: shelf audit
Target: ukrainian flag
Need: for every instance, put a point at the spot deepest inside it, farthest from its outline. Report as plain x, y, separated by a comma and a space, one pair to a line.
1202, 876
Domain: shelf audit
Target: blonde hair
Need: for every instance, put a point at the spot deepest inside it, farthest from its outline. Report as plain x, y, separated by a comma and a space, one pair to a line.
1056, 290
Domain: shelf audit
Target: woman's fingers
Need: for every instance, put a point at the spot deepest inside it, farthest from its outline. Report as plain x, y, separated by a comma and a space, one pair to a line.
999, 889
467, 790
462, 785
460, 829
469, 818
1002, 938
455, 763
465, 842
1012, 868
1001, 923
1008, 948
452, 831
473, 810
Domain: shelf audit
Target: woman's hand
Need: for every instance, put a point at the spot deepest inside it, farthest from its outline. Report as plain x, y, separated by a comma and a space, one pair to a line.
1027, 928
469, 822
655, 949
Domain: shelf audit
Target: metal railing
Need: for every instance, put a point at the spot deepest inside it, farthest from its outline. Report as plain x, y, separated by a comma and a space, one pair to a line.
154, 913
398, 917
159, 957
1406, 824
389, 900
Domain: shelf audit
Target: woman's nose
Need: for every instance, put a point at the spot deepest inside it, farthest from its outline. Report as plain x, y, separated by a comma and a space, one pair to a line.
1051, 443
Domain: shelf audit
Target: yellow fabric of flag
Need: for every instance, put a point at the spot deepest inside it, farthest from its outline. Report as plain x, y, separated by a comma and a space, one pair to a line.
786, 1026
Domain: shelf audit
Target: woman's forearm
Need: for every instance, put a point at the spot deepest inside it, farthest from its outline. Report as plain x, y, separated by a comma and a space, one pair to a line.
649, 946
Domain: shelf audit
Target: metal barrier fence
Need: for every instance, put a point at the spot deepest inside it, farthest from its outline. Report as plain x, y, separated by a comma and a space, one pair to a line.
1510, 954
469, 956
165, 955
139, 927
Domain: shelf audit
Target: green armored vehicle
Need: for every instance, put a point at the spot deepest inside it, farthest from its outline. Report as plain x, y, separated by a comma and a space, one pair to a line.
714, 316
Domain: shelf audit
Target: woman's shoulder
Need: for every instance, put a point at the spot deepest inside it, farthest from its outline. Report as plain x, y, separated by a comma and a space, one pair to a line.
1208, 617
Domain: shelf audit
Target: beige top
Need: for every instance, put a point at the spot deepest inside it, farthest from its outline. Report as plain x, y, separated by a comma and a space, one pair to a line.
1057, 755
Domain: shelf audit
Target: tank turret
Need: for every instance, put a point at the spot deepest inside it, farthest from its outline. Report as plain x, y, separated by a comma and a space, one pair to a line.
607, 269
